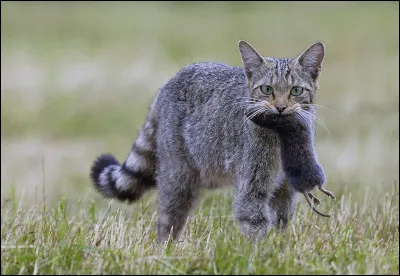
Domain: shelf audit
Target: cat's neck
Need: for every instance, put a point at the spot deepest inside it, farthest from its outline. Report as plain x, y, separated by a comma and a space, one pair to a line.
261, 135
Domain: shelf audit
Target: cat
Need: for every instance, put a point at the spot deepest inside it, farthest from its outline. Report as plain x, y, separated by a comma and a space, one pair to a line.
199, 134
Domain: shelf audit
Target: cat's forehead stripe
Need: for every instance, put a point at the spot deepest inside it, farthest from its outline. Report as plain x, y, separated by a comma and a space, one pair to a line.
282, 66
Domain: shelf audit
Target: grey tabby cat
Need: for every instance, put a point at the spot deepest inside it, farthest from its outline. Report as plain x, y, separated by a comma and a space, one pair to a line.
199, 134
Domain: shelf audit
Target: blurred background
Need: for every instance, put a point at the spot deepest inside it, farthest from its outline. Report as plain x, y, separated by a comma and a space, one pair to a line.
77, 79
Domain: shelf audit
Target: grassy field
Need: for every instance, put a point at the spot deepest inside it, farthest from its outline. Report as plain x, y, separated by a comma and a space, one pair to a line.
77, 80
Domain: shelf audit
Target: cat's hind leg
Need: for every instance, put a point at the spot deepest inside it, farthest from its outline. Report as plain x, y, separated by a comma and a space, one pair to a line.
178, 193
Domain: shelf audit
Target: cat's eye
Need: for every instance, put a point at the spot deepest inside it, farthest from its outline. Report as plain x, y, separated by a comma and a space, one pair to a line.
266, 89
296, 91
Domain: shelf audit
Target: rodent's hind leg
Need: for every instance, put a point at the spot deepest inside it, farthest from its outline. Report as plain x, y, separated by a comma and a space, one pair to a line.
314, 198
329, 193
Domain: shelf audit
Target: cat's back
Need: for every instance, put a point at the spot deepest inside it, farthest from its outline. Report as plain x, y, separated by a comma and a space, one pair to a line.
208, 71
198, 82
202, 71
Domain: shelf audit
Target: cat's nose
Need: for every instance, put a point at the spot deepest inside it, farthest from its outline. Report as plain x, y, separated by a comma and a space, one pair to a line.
280, 108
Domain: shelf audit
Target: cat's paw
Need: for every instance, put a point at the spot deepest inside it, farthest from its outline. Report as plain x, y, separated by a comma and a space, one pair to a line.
255, 229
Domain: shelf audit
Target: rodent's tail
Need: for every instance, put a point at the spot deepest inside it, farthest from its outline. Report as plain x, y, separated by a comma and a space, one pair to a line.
136, 175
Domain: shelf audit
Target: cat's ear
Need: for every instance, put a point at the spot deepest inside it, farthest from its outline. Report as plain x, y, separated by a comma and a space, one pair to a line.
311, 59
252, 60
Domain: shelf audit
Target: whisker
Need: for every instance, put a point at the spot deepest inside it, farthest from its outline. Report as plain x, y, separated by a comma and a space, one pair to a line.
261, 109
323, 108
241, 102
303, 118
238, 103
254, 113
239, 99
319, 121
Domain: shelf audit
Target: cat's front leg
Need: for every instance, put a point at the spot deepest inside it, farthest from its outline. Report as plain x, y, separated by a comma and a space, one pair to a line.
283, 203
251, 209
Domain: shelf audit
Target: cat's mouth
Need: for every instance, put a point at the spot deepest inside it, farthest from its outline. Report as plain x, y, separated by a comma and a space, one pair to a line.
276, 116
264, 117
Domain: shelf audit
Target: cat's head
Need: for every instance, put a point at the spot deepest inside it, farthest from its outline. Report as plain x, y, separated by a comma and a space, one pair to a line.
282, 86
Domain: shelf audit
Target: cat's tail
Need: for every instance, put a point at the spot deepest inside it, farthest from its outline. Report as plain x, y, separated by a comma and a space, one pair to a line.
136, 175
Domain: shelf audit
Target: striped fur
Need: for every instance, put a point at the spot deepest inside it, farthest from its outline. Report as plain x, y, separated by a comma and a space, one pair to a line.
128, 182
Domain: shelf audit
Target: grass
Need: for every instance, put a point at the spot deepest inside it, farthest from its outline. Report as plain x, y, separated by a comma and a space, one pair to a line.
77, 80
359, 239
